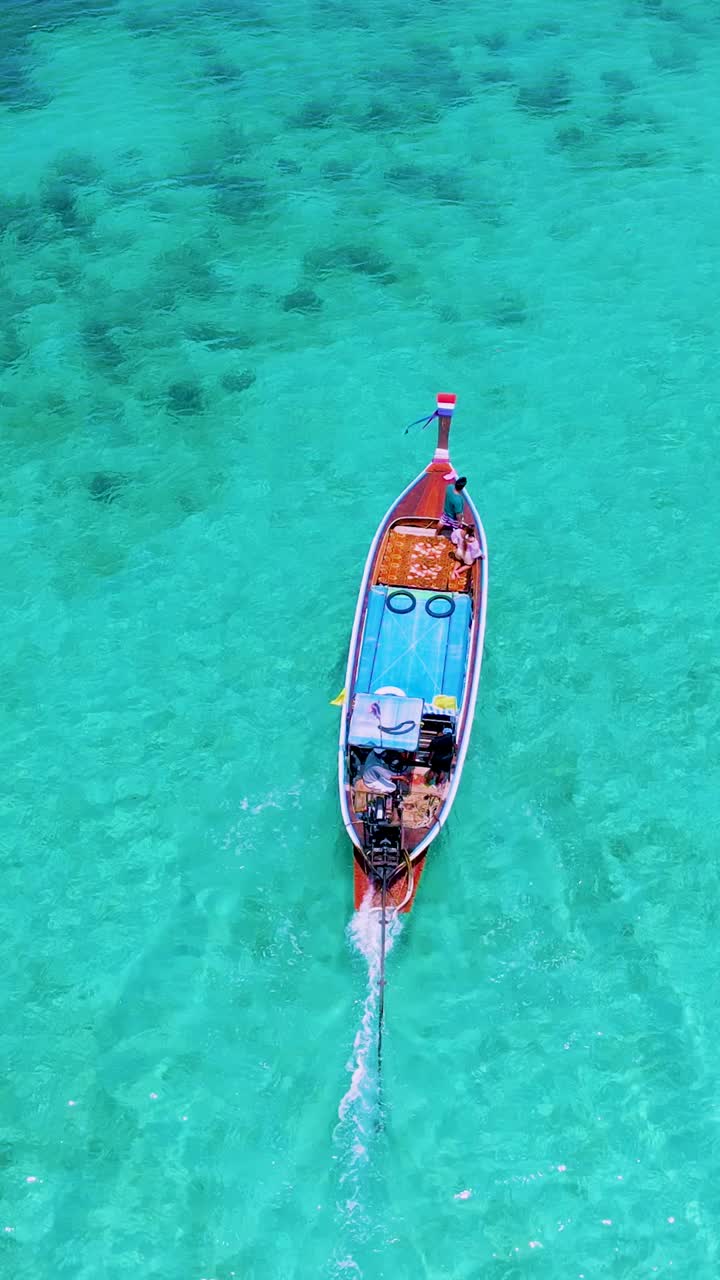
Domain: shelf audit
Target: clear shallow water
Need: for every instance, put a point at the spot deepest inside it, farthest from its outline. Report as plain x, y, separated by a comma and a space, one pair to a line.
241, 248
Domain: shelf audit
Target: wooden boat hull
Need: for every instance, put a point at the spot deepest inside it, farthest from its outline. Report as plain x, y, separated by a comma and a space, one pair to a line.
411, 556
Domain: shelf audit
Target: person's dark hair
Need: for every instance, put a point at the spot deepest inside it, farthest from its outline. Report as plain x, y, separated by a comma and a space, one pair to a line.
460, 483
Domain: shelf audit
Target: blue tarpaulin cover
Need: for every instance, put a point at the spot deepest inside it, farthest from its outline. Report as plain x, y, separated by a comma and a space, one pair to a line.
375, 719
420, 654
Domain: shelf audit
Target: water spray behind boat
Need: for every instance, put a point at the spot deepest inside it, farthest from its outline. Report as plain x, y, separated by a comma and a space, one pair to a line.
360, 1107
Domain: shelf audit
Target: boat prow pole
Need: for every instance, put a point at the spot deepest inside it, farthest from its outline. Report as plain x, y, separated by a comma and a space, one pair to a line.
445, 410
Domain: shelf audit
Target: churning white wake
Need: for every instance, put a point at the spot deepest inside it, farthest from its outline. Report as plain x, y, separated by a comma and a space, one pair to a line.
358, 1110
358, 1199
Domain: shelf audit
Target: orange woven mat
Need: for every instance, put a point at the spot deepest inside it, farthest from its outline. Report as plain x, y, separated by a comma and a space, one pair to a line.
423, 562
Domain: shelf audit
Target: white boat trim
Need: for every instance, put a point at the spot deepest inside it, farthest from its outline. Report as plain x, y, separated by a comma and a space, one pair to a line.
359, 609
468, 707
467, 711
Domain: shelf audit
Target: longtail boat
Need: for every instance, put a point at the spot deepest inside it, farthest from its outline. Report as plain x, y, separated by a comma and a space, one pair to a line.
412, 679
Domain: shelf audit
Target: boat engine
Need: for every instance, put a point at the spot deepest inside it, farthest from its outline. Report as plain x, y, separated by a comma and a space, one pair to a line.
381, 843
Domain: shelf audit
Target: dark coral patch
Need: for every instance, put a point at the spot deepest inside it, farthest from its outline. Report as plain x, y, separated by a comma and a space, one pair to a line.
618, 118
20, 20
221, 339
546, 96
618, 82
239, 381
49, 15
381, 116
24, 219
59, 199
508, 310
337, 171
639, 158
196, 178
11, 346
423, 109
241, 197
315, 113
498, 75
106, 486
570, 138
77, 169
187, 269
489, 211
426, 73
323, 260
18, 91
674, 56
410, 178
244, 13
544, 30
493, 41
366, 261
443, 185
446, 187
304, 300
227, 74
185, 398
361, 259
149, 17
660, 10
99, 338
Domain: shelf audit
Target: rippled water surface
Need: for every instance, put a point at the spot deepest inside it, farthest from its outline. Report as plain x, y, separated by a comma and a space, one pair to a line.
242, 245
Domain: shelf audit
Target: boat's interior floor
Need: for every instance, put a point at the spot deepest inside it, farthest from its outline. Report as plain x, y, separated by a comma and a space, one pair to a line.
421, 557
420, 806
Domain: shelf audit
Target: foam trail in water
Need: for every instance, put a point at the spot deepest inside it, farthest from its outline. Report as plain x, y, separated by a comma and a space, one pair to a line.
361, 1200
358, 1107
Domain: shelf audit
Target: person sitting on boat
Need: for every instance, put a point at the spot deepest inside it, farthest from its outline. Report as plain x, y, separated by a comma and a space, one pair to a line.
451, 517
441, 749
467, 548
378, 777
457, 537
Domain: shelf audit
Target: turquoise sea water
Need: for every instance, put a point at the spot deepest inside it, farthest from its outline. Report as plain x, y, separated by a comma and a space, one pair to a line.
241, 246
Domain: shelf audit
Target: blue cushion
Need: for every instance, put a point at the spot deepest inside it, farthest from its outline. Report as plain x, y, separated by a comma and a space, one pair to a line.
414, 651
371, 635
457, 647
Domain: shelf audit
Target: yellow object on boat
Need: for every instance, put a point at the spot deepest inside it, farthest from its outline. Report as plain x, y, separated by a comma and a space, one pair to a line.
445, 702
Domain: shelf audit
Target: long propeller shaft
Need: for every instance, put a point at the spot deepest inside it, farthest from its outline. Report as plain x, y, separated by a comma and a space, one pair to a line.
383, 927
